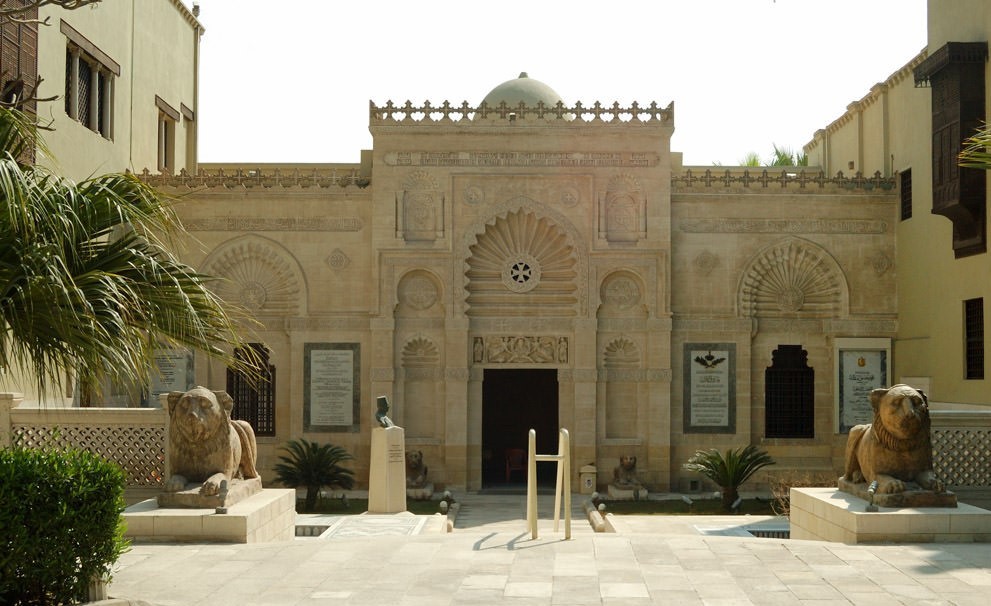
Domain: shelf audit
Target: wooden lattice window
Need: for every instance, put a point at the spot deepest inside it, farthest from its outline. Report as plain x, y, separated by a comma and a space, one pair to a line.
973, 310
254, 402
789, 394
905, 187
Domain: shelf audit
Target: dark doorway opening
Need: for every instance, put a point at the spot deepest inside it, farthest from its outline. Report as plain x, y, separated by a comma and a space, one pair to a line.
513, 402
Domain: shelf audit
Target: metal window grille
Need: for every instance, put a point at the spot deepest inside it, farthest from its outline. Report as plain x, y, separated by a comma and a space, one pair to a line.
974, 337
789, 394
906, 194
254, 402
83, 84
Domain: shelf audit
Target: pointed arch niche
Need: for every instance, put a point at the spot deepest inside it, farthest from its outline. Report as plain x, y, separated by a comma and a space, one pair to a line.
259, 274
793, 278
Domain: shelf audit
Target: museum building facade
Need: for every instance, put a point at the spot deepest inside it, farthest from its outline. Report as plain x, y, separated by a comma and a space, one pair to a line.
525, 264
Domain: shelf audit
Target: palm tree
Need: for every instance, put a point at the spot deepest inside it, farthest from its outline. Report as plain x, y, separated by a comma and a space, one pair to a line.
314, 466
975, 152
730, 470
88, 282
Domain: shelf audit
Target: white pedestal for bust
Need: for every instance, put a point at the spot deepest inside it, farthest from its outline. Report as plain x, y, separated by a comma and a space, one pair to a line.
387, 475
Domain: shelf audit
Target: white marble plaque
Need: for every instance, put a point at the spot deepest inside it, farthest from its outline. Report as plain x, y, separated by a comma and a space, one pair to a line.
332, 380
174, 372
861, 371
710, 387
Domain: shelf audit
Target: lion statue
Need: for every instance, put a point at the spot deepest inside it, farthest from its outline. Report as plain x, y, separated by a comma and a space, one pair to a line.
625, 474
205, 445
896, 448
416, 471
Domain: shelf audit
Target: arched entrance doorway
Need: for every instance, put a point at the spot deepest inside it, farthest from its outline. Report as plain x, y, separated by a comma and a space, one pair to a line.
513, 402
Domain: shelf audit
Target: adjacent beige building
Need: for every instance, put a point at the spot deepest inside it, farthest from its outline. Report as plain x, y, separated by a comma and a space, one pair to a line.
910, 126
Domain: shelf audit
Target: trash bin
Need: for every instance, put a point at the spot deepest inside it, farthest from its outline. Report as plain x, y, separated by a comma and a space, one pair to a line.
586, 479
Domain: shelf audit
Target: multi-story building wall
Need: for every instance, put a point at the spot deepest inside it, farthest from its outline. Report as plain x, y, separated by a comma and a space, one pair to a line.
911, 127
125, 74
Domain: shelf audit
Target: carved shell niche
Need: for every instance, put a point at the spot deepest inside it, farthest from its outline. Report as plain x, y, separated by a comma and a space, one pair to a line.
420, 352
259, 275
790, 278
522, 261
621, 353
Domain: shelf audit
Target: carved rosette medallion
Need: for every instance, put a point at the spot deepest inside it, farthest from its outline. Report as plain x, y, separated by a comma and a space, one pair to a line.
419, 292
705, 262
474, 195
338, 260
521, 273
570, 196
881, 263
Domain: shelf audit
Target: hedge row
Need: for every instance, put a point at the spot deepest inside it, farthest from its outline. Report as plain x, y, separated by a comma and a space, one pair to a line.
60, 524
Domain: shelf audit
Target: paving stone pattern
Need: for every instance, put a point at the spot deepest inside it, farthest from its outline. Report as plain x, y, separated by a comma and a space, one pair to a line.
490, 559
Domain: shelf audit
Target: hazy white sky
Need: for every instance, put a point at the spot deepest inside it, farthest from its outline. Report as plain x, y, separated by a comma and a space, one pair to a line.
290, 80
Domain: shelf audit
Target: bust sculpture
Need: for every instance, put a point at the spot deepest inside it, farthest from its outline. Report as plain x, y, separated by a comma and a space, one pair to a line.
382, 403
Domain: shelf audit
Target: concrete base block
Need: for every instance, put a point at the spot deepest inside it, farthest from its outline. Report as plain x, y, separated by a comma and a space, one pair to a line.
627, 494
828, 514
267, 516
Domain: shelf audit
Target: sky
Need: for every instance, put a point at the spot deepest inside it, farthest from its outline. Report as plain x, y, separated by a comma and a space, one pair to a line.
290, 81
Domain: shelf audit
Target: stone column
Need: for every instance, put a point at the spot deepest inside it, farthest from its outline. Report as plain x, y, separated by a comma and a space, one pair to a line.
8, 401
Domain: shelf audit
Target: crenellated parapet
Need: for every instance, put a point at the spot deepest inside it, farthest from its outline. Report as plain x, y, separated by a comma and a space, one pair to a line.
257, 178
763, 178
557, 114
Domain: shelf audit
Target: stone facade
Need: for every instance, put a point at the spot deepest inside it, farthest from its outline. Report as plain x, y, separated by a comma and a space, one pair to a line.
565, 239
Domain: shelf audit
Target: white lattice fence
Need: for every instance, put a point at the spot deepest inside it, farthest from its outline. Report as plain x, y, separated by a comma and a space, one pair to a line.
962, 448
135, 439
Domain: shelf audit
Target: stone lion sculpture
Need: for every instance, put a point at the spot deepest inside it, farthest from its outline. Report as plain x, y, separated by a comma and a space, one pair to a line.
625, 474
205, 445
896, 447
416, 471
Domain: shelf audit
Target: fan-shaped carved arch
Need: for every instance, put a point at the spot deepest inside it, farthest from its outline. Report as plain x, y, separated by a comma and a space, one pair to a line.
522, 263
259, 274
420, 352
793, 278
621, 353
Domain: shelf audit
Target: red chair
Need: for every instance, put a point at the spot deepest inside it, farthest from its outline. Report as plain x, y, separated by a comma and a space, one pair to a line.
515, 461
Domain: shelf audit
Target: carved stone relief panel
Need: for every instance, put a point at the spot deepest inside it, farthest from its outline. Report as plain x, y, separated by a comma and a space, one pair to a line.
420, 209
622, 295
623, 210
520, 350
259, 274
419, 294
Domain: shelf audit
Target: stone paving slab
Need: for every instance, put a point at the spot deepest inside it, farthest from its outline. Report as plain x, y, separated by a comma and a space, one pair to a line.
651, 560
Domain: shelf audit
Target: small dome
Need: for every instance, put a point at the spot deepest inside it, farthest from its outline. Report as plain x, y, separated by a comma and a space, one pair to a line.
524, 89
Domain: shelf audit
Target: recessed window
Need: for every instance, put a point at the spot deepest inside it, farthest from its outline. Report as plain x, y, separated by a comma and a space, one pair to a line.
167, 119
254, 401
89, 83
905, 187
973, 312
789, 394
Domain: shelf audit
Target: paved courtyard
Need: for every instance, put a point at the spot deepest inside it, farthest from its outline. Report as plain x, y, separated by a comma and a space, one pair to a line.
490, 559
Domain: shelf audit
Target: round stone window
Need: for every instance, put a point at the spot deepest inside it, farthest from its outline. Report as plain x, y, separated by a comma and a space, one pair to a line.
521, 273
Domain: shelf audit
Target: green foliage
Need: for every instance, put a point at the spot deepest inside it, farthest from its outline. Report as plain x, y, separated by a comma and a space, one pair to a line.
975, 152
781, 156
751, 159
87, 278
729, 470
60, 524
314, 466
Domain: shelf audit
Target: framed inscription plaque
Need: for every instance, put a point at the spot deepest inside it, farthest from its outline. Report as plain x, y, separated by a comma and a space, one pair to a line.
710, 388
332, 386
173, 372
862, 366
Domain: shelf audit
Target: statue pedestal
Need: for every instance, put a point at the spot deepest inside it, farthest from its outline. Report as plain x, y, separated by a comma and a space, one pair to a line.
387, 474
829, 514
420, 493
631, 493
191, 497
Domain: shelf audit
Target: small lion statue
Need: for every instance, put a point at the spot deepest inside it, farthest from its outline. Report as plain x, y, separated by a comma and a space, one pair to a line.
205, 445
896, 448
625, 474
416, 471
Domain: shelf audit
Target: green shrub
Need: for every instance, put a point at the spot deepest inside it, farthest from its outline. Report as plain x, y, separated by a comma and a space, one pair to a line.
730, 470
314, 466
60, 524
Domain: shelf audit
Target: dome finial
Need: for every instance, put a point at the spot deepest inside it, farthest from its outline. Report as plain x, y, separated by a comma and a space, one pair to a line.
523, 75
